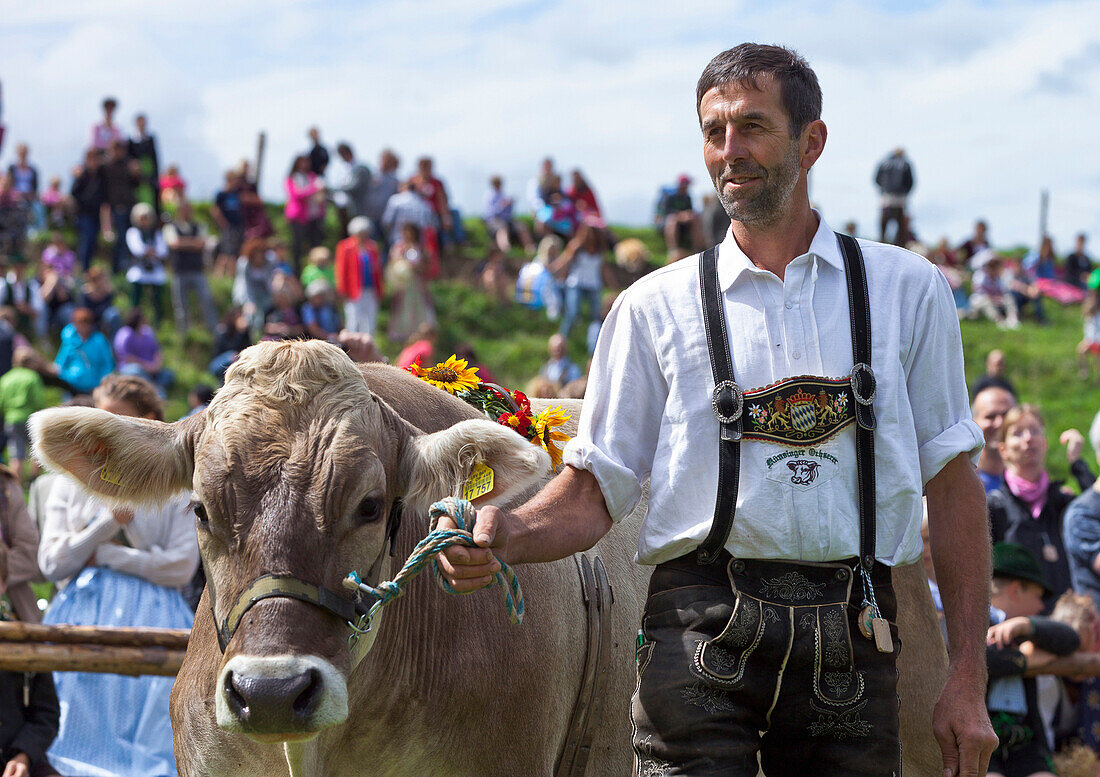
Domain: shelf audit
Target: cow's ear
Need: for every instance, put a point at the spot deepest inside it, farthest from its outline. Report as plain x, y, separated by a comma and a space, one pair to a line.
122, 459
438, 465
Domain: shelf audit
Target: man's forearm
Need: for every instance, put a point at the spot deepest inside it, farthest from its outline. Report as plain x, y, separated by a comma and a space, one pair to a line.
565, 517
959, 528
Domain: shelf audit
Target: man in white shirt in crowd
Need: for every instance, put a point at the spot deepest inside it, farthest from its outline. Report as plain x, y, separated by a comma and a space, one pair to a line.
781, 642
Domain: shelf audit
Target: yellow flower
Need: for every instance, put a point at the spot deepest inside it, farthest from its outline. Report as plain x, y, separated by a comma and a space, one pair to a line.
452, 375
546, 427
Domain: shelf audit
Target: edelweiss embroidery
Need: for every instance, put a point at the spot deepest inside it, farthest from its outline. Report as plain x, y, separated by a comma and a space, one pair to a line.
845, 724
835, 651
791, 587
799, 411
709, 699
648, 765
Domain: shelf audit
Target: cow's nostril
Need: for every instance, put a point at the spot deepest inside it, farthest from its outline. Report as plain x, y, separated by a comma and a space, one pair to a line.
234, 697
305, 703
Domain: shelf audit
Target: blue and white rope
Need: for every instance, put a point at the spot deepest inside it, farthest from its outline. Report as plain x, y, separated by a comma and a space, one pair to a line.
425, 553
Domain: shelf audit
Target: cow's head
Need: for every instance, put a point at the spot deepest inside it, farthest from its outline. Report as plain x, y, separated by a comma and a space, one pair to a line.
294, 468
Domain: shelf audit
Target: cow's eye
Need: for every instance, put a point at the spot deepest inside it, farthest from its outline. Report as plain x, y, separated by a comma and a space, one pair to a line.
200, 513
369, 510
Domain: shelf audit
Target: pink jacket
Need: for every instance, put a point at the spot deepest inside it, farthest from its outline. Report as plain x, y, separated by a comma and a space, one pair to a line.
298, 204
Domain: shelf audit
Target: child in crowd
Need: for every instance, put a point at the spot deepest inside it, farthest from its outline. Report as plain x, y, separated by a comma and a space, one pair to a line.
560, 369
137, 352
320, 317
992, 295
1019, 641
21, 394
28, 702
84, 357
198, 398
1090, 343
118, 567
536, 287
147, 246
319, 267
98, 296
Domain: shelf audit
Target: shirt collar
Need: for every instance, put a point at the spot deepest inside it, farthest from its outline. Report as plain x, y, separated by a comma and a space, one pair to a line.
732, 262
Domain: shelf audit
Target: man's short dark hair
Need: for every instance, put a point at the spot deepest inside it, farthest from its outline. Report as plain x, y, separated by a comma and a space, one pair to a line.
748, 63
342, 147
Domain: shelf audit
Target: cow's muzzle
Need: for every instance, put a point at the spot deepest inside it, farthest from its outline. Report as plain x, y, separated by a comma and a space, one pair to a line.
280, 698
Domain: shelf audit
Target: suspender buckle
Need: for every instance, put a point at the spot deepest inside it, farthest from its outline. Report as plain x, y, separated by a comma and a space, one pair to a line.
863, 384
728, 401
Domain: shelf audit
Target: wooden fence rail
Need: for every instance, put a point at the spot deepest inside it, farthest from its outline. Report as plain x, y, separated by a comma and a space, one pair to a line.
28, 647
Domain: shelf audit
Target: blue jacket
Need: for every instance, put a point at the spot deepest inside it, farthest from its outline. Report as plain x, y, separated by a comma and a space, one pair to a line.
83, 363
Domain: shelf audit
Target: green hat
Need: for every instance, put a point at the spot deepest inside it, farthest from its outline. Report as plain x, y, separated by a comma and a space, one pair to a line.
1018, 563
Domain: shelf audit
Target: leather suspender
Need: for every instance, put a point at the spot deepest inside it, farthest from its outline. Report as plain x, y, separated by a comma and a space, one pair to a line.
728, 404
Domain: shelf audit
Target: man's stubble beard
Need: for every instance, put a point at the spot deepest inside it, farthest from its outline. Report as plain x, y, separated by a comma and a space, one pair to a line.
768, 206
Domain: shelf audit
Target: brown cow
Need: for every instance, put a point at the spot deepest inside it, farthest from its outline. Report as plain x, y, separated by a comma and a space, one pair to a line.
295, 464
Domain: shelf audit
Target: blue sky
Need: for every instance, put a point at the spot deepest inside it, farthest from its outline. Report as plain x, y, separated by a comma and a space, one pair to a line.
994, 101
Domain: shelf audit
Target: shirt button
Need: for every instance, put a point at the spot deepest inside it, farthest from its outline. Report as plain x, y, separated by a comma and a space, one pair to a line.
789, 305
796, 355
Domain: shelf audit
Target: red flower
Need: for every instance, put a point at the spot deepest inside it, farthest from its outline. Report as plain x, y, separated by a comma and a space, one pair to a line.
522, 400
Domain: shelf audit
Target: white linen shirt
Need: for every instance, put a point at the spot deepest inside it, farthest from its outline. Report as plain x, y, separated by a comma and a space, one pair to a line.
647, 411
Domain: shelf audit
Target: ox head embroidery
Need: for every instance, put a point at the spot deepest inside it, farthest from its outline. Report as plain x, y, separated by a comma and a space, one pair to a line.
803, 471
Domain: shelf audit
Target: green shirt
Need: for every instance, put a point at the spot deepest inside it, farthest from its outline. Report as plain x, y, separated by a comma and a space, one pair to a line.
312, 272
20, 394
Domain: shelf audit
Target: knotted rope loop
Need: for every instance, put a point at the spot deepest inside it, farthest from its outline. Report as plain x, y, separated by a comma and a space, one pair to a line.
424, 554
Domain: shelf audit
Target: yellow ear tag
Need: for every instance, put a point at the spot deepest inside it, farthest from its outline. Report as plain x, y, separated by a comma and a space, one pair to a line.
480, 482
108, 475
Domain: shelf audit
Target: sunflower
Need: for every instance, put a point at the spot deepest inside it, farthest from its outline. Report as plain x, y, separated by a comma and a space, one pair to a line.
546, 427
452, 375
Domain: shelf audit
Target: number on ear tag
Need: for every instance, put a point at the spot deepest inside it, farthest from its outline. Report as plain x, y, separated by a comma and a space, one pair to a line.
480, 482
108, 475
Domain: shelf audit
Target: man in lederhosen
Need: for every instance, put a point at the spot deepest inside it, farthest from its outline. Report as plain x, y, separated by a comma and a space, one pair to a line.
827, 375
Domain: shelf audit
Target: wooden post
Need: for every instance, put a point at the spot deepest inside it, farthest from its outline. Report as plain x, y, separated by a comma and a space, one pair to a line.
261, 142
36, 657
17, 631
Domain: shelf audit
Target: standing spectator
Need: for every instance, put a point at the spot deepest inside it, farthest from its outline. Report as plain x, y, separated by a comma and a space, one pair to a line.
305, 209
186, 242
582, 263
105, 134
353, 191
499, 221
143, 149
25, 295
120, 179
55, 203
252, 282
21, 393
227, 210
24, 177
137, 352
383, 186
147, 246
976, 243
89, 195
560, 369
1029, 509
583, 197
125, 567
988, 409
84, 358
359, 276
894, 179
435, 194
256, 222
171, 186
318, 154
231, 336
1042, 263
406, 277
677, 221
406, 207
98, 296
1090, 343
1078, 264
58, 285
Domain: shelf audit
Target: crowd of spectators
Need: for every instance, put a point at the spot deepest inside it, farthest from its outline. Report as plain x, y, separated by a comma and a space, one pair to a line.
94, 275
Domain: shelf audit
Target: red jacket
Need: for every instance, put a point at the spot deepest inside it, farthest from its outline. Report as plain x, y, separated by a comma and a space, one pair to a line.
349, 270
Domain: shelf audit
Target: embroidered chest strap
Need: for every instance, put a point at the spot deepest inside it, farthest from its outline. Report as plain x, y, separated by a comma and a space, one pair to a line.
802, 411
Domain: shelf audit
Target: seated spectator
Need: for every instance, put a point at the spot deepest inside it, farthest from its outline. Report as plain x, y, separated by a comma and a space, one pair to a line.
23, 293
584, 199
282, 321
420, 348
137, 352
715, 222
992, 292
466, 351
359, 276
98, 295
186, 241
1090, 343
1028, 510
536, 287
494, 278
172, 187
559, 215
502, 227
58, 300
198, 398
1068, 719
147, 246
406, 277
676, 220
21, 394
56, 203
360, 347
1020, 641
560, 369
319, 267
84, 358
994, 374
631, 261
574, 389
29, 710
123, 567
231, 336
305, 209
947, 262
319, 314
540, 387
252, 283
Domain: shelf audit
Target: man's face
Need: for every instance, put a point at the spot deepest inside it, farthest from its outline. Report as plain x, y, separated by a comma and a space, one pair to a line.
753, 161
990, 407
345, 154
21, 153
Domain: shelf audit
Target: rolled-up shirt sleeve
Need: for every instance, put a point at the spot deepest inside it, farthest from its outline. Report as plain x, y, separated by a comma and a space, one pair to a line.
620, 424
936, 383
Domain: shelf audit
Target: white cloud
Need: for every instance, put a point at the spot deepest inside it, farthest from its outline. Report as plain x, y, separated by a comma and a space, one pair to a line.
993, 101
